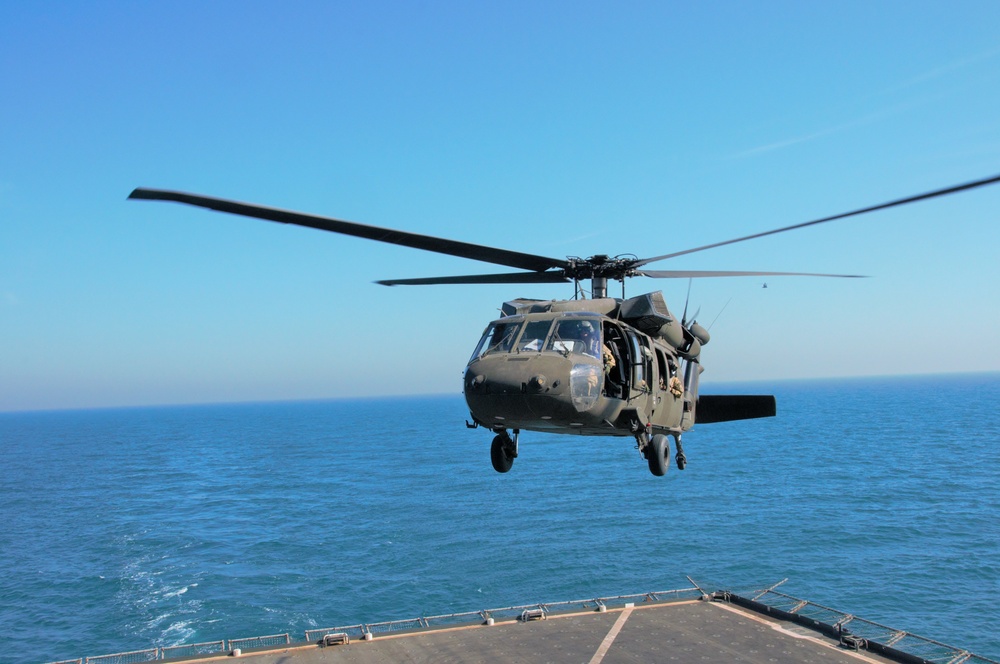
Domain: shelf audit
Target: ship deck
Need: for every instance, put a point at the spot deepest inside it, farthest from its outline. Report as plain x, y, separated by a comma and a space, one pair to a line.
680, 631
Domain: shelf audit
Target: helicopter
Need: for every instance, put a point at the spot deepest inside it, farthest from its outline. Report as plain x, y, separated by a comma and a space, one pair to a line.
589, 366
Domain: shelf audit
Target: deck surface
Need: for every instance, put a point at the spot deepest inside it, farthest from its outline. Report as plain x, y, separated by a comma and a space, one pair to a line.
694, 631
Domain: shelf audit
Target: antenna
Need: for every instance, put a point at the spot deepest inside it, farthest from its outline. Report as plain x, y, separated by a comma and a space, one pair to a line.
687, 299
720, 313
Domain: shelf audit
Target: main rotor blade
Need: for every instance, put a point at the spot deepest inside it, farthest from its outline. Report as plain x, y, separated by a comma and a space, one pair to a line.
403, 238
509, 278
873, 208
695, 274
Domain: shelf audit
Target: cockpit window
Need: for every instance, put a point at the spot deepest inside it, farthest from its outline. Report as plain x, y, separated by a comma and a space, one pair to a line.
577, 336
498, 338
533, 338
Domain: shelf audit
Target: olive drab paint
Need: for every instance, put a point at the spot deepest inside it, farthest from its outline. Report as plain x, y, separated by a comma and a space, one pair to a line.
599, 367
592, 367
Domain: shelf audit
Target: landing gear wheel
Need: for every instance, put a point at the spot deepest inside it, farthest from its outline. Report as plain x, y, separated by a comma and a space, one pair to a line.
658, 455
681, 459
500, 453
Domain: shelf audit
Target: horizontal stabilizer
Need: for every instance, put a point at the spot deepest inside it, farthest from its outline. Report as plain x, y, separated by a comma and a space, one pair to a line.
725, 407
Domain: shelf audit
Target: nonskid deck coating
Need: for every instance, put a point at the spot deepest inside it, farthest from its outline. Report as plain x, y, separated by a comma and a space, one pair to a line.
689, 631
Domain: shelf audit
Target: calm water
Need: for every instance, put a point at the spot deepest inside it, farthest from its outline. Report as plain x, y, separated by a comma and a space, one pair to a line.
125, 529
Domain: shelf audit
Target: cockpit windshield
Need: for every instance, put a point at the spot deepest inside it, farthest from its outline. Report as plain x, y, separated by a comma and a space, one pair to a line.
573, 335
568, 335
533, 338
498, 338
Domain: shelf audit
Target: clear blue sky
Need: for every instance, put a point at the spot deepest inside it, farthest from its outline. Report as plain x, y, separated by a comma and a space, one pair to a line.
557, 128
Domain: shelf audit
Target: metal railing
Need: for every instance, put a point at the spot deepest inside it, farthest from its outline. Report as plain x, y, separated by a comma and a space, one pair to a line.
184, 651
852, 632
260, 642
133, 657
192, 650
359, 631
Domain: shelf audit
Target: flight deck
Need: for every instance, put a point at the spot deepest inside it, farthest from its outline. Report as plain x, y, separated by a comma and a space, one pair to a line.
687, 625
688, 631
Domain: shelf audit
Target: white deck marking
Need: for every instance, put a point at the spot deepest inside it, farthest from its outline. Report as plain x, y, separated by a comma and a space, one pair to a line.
782, 627
612, 635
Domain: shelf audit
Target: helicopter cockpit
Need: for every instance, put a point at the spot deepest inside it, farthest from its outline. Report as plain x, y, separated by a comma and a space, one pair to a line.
582, 337
567, 334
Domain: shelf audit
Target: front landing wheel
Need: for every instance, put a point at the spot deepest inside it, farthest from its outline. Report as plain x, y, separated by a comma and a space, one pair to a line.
658, 455
500, 454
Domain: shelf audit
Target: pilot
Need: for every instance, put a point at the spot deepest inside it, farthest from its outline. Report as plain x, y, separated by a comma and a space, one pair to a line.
503, 337
590, 338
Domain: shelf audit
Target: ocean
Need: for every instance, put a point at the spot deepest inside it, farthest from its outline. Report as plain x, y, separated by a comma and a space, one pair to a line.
130, 528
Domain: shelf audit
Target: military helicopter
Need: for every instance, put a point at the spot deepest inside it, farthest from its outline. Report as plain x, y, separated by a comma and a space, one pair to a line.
590, 366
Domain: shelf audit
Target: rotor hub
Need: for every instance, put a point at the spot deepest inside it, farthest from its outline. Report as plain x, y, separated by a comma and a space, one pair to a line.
600, 267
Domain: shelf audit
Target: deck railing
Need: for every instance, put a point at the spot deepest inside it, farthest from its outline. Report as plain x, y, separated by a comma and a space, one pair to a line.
852, 632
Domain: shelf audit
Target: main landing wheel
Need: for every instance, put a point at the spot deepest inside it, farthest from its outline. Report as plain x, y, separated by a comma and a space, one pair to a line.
658, 455
501, 453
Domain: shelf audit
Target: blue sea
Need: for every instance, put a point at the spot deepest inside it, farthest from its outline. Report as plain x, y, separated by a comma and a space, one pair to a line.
131, 528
